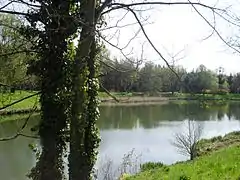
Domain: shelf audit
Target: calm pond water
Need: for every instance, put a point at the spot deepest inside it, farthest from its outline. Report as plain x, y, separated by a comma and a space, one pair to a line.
148, 129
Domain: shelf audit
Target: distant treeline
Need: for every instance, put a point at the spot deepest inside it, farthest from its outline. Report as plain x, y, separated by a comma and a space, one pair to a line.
123, 76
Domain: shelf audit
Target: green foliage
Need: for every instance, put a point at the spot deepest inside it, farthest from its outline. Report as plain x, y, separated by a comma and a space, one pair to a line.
151, 165
184, 177
151, 78
15, 53
118, 75
52, 65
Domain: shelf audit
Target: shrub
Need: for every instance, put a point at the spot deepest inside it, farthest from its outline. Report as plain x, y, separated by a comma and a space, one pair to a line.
184, 177
151, 165
217, 138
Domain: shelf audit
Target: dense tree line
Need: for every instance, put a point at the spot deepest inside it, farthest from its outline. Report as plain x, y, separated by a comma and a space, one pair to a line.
152, 78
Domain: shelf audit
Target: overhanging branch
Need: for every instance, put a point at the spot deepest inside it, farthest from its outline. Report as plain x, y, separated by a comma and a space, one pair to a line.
20, 100
116, 6
213, 27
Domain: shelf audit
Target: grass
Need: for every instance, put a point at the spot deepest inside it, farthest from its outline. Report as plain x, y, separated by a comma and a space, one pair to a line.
221, 162
7, 98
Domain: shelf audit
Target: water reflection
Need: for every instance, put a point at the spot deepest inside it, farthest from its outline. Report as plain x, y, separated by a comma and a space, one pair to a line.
151, 116
16, 158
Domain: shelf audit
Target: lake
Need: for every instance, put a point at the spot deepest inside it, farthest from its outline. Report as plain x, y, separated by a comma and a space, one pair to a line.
146, 130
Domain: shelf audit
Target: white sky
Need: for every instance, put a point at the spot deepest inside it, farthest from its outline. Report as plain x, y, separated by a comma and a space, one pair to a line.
179, 27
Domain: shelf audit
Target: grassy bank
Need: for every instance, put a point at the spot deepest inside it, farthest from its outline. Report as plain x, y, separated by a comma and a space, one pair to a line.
219, 160
7, 98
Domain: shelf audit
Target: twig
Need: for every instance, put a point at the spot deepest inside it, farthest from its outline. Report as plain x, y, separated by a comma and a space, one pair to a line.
19, 133
150, 42
121, 5
219, 35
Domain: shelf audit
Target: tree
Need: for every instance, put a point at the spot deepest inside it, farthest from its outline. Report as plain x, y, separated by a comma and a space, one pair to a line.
118, 75
52, 66
15, 53
186, 142
84, 113
235, 86
200, 80
230, 82
147, 78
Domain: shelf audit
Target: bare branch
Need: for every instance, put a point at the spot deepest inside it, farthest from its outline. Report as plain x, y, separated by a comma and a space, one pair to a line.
186, 141
109, 93
116, 69
115, 46
121, 5
19, 133
4, 6
102, 7
28, 4
150, 42
215, 30
214, 25
14, 12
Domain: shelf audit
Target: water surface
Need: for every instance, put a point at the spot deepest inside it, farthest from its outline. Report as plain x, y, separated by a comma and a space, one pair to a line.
148, 129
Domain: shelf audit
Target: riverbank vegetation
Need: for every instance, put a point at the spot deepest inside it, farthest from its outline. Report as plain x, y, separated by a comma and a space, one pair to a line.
219, 159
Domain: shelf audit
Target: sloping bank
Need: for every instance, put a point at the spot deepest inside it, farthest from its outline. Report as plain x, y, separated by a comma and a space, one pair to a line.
219, 160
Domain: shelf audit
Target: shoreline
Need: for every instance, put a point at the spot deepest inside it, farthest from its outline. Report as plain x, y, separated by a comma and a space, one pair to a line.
133, 101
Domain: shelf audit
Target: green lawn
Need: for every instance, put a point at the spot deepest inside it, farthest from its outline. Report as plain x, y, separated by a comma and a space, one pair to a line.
221, 161
7, 98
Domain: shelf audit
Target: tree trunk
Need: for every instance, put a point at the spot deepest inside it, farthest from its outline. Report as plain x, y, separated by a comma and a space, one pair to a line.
53, 72
83, 139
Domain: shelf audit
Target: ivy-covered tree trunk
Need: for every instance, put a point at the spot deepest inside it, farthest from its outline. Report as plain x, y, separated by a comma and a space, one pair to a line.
83, 133
52, 68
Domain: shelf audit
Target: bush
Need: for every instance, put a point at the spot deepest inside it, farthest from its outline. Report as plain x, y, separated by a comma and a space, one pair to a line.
184, 177
151, 165
217, 138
